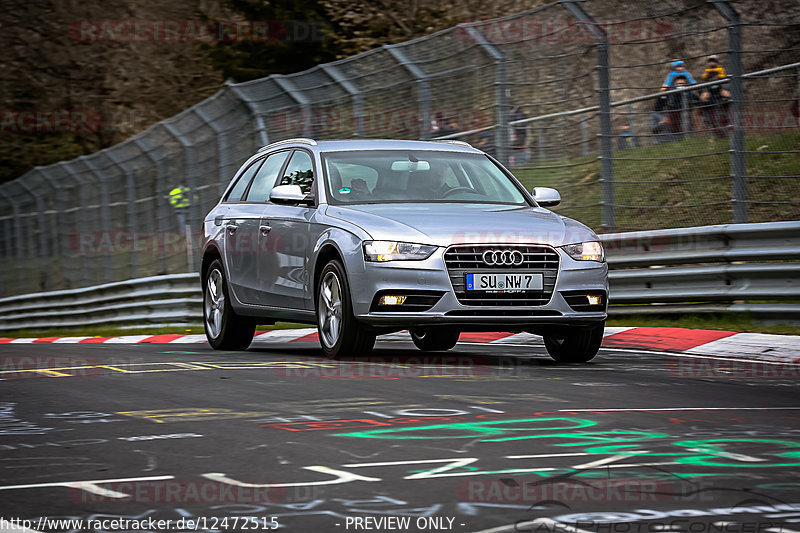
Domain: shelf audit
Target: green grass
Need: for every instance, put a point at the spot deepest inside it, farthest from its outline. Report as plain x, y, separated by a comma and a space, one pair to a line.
693, 190
741, 323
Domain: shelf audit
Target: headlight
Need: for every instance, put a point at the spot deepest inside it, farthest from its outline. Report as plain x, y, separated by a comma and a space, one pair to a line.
396, 251
585, 251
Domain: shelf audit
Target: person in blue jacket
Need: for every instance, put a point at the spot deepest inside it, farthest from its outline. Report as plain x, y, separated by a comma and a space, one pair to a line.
678, 69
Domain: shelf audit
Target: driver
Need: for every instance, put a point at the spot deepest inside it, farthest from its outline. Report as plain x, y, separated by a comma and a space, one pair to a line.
439, 187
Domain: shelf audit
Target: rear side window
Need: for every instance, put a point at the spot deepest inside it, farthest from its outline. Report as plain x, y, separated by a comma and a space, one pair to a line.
236, 193
267, 174
299, 171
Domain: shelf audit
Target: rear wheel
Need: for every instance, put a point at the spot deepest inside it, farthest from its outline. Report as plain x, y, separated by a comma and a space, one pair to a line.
339, 332
574, 345
434, 339
225, 330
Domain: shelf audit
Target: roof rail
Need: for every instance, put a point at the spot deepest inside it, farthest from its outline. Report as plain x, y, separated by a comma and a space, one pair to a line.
298, 140
454, 141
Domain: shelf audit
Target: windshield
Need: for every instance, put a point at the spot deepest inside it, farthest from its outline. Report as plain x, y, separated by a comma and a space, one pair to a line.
403, 176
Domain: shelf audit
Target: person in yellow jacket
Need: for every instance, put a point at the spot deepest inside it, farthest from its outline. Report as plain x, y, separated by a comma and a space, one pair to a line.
713, 66
180, 198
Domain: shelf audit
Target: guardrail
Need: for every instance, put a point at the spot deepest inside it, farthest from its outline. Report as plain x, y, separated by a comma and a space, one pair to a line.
169, 300
725, 268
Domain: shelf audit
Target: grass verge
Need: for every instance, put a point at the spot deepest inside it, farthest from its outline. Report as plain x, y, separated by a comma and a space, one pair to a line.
726, 322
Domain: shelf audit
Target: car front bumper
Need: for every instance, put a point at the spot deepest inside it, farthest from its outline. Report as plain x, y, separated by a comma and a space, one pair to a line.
431, 277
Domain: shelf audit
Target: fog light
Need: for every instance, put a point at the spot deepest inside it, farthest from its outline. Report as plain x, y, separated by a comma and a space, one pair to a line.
392, 300
593, 300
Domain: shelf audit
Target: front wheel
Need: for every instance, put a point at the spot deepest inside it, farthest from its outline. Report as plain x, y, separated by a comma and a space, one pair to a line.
574, 345
434, 339
225, 330
339, 331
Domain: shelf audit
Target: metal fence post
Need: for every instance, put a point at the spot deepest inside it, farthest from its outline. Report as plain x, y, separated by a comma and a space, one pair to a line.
356, 95
222, 147
540, 130
60, 245
604, 102
423, 89
584, 137
502, 132
686, 125
191, 183
17, 235
161, 205
736, 106
105, 218
261, 127
130, 186
84, 218
305, 106
43, 253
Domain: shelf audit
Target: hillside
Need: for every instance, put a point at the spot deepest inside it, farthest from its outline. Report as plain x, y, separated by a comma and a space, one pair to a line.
124, 86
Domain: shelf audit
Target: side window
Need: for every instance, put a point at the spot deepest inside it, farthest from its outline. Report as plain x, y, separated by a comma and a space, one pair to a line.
262, 184
299, 171
238, 189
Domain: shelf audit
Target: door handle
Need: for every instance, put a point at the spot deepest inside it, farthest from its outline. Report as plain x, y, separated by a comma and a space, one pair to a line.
265, 229
231, 227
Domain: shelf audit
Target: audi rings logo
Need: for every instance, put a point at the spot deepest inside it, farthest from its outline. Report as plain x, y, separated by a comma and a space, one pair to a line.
503, 257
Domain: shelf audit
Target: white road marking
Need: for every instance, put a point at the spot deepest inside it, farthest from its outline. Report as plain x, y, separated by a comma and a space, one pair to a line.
341, 477
89, 486
601, 462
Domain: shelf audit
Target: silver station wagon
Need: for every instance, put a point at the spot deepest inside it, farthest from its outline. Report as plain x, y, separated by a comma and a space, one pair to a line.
365, 237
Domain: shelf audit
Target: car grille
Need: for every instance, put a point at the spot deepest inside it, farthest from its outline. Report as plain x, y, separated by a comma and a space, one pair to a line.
469, 258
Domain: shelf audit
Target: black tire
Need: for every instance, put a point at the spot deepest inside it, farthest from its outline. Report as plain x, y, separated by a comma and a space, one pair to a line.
434, 339
225, 330
574, 345
340, 334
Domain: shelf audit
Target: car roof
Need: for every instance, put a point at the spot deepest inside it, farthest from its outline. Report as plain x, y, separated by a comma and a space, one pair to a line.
375, 144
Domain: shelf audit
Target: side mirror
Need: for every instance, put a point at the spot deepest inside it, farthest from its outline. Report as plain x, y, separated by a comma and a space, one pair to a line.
289, 194
546, 197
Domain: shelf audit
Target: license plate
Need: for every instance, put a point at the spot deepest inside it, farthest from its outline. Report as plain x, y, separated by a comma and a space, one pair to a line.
504, 282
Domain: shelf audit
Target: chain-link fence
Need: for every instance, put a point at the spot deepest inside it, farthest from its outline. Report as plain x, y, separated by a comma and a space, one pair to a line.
725, 151
564, 97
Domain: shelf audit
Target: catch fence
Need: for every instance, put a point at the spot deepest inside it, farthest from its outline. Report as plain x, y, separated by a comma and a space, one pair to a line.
546, 91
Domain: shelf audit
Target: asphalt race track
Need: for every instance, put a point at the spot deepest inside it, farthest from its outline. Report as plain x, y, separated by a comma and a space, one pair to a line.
484, 437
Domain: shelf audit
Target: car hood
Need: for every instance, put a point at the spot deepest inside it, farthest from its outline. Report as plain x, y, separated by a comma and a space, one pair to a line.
444, 224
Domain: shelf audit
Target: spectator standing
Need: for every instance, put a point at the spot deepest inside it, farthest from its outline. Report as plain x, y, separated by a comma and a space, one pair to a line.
625, 139
659, 123
680, 107
486, 143
519, 138
678, 69
713, 68
714, 102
